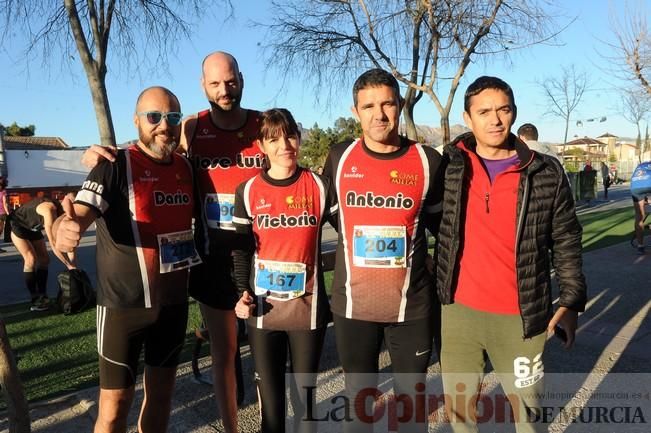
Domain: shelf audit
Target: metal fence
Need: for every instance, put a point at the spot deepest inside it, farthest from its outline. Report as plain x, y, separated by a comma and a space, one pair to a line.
625, 169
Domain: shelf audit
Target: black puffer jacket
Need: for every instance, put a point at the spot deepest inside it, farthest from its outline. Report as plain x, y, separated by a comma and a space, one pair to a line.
546, 220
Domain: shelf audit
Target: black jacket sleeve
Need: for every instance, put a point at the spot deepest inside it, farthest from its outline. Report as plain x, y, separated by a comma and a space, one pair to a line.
433, 201
331, 211
243, 253
566, 248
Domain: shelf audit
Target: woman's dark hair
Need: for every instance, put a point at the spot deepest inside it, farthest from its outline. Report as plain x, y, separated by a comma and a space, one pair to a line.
276, 122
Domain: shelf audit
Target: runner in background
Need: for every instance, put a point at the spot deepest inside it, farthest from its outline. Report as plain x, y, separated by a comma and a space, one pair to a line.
26, 225
640, 190
4, 207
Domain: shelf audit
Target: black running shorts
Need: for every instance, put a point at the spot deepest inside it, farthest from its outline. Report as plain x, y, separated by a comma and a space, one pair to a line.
211, 282
23, 233
122, 333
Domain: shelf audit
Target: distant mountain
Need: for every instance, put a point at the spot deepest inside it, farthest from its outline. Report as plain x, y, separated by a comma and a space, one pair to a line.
431, 135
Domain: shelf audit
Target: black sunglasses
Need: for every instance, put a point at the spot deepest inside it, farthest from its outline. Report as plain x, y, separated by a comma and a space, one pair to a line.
155, 117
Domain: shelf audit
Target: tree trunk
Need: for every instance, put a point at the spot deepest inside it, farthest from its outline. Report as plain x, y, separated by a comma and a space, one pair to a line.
408, 114
567, 127
445, 128
12, 387
95, 74
102, 111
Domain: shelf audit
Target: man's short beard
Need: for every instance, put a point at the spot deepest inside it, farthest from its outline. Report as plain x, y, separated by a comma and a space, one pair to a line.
216, 107
162, 152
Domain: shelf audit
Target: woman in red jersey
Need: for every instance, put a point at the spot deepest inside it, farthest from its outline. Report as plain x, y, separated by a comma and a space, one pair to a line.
280, 277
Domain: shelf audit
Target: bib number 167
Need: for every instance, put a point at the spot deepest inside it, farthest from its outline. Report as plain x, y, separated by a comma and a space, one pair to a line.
280, 280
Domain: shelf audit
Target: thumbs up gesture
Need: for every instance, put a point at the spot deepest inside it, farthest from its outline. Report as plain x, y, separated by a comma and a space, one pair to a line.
68, 232
244, 306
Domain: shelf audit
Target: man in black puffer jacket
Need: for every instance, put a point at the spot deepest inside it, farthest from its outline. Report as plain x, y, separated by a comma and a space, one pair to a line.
505, 208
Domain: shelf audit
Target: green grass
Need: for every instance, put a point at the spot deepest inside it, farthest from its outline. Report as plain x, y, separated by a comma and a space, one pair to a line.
605, 228
58, 353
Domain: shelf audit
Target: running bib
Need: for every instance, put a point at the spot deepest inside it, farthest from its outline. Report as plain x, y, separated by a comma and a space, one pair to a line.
282, 281
177, 251
219, 211
379, 246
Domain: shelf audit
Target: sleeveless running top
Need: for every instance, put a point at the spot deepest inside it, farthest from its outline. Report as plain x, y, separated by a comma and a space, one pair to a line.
285, 217
222, 159
26, 216
385, 202
641, 179
144, 231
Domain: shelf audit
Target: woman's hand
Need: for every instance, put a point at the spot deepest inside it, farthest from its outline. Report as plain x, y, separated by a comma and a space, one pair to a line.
244, 306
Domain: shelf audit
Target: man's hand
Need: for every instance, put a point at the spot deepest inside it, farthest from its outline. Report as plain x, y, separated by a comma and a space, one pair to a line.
244, 306
68, 230
97, 153
566, 319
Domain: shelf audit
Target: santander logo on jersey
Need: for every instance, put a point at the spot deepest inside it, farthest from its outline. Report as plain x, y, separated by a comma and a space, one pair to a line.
224, 162
178, 198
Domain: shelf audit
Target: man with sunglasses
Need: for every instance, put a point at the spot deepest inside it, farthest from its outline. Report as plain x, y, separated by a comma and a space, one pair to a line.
220, 142
143, 206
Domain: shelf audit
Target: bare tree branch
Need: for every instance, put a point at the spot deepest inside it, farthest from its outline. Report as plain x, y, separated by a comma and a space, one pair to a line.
632, 50
328, 41
140, 33
564, 93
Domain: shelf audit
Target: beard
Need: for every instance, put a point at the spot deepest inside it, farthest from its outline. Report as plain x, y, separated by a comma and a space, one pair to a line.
161, 151
225, 108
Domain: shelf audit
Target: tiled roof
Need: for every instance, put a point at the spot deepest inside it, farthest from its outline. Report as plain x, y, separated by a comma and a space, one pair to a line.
585, 141
607, 135
20, 143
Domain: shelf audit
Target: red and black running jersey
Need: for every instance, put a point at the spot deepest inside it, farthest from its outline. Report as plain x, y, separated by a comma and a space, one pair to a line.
144, 230
284, 217
385, 202
222, 159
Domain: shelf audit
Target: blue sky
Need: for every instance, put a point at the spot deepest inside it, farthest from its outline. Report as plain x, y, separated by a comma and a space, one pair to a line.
58, 101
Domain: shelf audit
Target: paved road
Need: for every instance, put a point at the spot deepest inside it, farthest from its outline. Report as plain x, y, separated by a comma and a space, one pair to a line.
611, 355
10, 262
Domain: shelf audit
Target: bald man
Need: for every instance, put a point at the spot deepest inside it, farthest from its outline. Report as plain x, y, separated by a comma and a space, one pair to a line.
143, 204
220, 143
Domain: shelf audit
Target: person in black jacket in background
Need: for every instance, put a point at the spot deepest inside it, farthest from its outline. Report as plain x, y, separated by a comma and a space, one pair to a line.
504, 208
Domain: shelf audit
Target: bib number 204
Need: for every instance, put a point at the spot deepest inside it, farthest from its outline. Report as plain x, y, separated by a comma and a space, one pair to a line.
380, 245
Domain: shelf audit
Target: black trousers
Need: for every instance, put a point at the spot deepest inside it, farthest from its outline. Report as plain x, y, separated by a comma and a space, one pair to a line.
270, 349
359, 343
